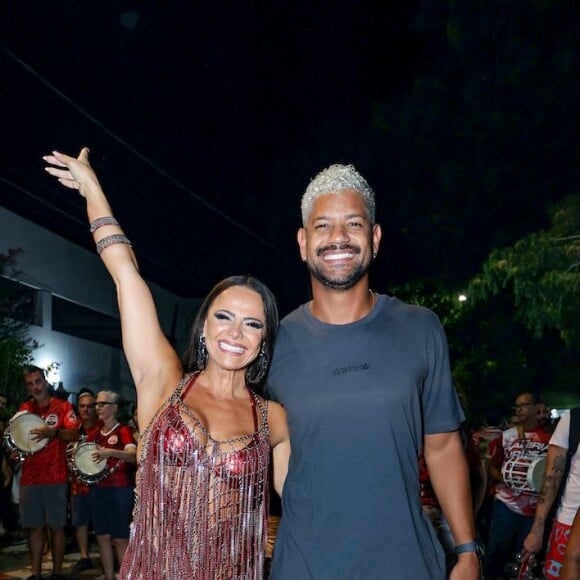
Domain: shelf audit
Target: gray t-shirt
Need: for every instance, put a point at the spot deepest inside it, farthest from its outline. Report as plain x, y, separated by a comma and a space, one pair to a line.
359, 399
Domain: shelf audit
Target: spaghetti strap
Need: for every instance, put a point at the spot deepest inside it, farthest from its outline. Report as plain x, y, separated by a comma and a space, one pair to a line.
254, 412
188, 386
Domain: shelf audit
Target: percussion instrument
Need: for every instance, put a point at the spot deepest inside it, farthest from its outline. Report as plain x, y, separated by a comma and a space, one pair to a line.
524, 473
17, 435
82, 464
525, 566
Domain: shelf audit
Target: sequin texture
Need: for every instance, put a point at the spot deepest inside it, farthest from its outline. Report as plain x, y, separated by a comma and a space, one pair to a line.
201, 503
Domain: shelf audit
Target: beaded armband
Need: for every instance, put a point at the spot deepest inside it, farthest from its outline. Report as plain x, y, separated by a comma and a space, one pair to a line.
102, 221
112, 240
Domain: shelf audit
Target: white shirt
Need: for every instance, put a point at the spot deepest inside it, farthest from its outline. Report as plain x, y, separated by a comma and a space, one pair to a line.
571, 496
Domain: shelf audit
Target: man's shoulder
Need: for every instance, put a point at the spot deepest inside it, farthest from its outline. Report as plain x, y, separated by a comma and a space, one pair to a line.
60, 404
27, 406
294, 317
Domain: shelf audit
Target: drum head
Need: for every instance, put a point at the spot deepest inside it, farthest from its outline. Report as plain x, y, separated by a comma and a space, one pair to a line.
19, 434
536, 474
84, 461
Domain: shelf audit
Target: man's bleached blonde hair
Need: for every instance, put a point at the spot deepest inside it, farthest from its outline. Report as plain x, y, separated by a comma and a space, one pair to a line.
335, 179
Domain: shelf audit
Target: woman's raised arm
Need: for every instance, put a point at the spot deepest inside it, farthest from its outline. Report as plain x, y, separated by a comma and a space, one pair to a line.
154, 365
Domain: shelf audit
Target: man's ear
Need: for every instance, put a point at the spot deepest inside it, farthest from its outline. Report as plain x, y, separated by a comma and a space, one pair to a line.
301, 238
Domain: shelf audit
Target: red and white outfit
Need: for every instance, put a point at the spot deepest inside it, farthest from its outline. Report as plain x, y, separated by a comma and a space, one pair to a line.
568, 505
49, 466
119, 437
532, 445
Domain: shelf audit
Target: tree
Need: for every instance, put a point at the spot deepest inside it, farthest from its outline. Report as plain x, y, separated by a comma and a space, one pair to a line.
542, 273
520, 327
16, 346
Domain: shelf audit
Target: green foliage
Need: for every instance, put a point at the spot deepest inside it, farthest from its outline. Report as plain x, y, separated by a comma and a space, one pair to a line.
542, 273
16, 347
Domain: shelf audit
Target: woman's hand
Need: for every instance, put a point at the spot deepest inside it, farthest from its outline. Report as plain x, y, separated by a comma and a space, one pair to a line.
72, 173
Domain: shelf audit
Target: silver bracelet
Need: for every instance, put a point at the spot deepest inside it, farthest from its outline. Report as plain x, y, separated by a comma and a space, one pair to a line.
102, 221
112, 240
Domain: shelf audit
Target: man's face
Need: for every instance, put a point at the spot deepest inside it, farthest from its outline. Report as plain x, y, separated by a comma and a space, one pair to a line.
106, 407
338, 241
525, 409
36, 385
3, 402
87, 408
544, 415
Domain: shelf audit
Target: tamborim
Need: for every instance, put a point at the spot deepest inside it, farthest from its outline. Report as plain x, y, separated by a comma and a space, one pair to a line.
84, 467
524, 473
17, 436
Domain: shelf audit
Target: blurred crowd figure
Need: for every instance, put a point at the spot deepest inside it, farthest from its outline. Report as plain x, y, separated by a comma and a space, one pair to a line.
559, 501
520, 449
523, 512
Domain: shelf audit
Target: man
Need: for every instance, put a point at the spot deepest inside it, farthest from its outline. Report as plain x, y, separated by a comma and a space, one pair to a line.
3, 403
365, 381
80, 507
545, 417
515, 501
44, 487
568, 506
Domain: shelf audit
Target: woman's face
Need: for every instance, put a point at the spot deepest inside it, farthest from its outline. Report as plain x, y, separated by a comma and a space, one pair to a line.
235, 328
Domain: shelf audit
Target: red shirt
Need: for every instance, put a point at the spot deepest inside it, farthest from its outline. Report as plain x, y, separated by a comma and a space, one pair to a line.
48, 466
123, 473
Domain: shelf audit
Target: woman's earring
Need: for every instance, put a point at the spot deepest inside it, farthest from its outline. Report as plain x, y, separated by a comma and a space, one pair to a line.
202, 354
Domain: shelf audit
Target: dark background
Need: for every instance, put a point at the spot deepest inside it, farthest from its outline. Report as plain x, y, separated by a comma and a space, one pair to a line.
205, 121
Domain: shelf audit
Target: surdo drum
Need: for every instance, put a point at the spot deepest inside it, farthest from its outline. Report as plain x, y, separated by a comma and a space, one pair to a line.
17, 436
524, 473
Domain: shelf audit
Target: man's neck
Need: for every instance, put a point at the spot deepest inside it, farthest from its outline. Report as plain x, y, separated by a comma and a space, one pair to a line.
109, 425
44, 402
89, 423
530, 426
341, 306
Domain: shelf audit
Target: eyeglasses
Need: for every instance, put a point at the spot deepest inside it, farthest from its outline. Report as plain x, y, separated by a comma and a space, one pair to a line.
521, 405
103, 403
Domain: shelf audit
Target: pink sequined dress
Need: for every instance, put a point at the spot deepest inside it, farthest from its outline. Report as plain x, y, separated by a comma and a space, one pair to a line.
201, 507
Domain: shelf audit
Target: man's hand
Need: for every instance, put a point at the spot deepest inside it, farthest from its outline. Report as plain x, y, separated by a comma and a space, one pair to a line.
534, 540
40, 433
467, 567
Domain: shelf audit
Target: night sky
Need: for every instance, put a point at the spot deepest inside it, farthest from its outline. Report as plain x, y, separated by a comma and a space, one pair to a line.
206, 120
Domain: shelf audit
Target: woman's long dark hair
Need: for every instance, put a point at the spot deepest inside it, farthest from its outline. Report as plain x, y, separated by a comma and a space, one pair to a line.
255, 373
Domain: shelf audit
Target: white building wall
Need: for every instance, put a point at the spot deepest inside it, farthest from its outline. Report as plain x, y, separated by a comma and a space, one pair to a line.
51, 263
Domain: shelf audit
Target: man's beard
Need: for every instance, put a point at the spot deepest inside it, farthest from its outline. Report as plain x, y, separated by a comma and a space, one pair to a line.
338, 282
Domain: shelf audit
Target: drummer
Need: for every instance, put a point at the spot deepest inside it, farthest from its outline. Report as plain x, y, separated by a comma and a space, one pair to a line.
514, 507
44, 483
79, 491
112, 498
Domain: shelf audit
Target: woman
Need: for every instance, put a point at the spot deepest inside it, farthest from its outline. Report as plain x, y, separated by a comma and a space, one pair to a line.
111, 499
202, 484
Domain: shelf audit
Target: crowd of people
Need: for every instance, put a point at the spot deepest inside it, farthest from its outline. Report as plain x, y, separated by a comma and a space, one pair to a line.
82, 459
347, 405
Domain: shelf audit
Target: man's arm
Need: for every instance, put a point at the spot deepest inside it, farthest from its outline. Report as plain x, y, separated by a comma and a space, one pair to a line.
555, 466
449, 475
